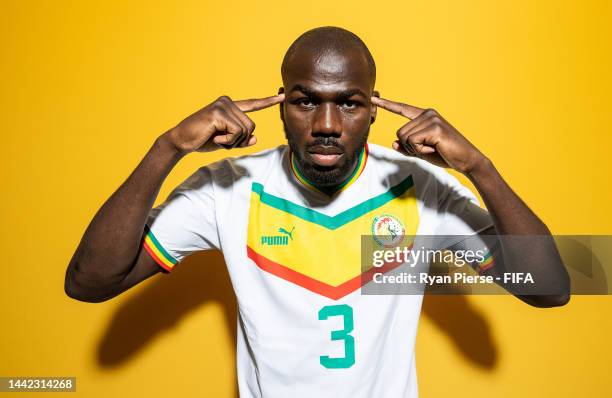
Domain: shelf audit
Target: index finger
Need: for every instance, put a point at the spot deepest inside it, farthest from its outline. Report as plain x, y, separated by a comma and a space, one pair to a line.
399, 108
251, 105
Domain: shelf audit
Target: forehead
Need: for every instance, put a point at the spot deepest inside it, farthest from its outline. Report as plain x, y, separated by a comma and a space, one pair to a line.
328, 72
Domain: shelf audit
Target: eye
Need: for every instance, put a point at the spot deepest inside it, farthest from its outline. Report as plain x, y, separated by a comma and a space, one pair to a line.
305, 103
348, 105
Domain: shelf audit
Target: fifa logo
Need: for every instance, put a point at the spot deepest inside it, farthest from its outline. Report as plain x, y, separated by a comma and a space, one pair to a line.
278, 240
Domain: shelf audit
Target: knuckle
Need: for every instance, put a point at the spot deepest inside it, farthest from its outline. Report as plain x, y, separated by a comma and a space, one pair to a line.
438, 132
430, 112
222, 102
216, 111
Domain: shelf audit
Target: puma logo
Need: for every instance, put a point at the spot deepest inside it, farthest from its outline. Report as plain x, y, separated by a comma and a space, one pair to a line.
284, 231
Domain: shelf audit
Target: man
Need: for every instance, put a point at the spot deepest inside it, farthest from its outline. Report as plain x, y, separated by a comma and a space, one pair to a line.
289, 222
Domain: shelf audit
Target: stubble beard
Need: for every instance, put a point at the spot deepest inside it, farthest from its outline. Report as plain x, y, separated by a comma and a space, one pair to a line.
325, 176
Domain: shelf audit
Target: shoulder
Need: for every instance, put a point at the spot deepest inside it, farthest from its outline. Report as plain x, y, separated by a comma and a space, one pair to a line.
387, 160
431, 182
231, 168
252, 159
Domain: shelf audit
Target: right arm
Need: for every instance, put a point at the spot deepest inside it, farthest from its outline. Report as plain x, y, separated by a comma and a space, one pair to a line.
110, 257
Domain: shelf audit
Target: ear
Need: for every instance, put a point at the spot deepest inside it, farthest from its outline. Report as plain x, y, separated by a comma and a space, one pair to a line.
373, 107
281, 105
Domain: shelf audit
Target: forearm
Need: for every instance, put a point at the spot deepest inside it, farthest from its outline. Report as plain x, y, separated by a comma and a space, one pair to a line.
526, 243
511, 216
111, 242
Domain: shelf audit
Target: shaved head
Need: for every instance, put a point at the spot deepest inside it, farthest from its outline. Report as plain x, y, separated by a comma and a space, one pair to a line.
326, 42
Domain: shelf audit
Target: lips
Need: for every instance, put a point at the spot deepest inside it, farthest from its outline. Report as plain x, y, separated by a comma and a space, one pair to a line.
325, 155
325, 150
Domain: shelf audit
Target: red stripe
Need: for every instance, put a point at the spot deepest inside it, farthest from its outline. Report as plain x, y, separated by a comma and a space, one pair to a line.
316, 286
157, 259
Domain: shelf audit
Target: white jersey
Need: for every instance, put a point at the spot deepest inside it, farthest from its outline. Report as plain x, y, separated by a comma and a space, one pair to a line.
293, 255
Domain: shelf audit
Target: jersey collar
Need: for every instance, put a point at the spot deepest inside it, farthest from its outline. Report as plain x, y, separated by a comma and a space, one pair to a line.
361, 162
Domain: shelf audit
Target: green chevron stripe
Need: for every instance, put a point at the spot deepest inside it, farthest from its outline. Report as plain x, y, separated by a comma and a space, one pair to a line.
332, 222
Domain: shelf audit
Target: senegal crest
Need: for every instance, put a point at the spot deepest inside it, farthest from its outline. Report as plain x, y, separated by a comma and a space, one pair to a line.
388, 230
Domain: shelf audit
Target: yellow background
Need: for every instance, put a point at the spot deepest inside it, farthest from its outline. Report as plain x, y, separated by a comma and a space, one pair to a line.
87, 86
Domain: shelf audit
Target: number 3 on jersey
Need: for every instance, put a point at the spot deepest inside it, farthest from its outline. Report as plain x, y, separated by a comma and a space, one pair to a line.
346, 312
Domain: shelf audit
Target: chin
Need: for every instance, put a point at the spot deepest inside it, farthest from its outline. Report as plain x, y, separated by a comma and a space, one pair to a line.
326, 176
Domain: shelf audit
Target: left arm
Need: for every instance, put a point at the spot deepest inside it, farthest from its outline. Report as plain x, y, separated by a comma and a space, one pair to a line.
430, 137
511, 216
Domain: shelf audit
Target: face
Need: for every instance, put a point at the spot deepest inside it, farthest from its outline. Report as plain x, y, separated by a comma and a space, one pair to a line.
327, 112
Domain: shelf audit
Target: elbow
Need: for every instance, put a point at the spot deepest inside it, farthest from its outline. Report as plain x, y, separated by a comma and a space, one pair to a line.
76, 291
564, 293
560, 293
79, 295
549, 301
563, 300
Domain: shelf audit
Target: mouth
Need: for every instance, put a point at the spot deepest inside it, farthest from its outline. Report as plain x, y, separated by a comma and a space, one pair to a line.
325, 156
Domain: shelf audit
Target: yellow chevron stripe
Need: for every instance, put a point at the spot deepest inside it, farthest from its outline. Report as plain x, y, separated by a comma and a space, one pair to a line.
330, 256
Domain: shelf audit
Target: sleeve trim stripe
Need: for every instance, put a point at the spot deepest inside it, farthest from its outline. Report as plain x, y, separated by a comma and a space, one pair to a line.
154, 244
486, 264
156, 258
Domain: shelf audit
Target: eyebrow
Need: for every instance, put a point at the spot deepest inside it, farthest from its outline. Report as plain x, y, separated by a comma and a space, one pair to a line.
342, 95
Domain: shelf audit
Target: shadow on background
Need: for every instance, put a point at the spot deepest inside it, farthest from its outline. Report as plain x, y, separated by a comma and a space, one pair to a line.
175, 295
466, 327
587, 259
163, 303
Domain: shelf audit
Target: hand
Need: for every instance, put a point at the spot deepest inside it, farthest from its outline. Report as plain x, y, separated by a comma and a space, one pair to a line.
428, 136
221, 124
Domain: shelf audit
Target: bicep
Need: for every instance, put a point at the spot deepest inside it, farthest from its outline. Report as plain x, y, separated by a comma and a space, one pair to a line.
183, 224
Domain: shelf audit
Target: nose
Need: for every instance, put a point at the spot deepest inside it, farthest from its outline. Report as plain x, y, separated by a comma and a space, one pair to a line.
327, 120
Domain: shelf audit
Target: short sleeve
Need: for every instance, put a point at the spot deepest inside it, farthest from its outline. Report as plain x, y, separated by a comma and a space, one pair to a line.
460, 213
184, 223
